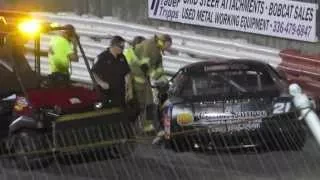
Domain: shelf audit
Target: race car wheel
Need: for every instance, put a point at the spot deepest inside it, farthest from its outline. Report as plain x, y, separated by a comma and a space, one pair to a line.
29, 150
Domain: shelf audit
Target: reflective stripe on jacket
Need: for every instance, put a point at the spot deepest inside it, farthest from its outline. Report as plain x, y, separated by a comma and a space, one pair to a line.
135, 65
149, 51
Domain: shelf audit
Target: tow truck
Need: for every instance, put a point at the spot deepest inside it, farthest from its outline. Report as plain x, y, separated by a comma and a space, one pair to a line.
42, 118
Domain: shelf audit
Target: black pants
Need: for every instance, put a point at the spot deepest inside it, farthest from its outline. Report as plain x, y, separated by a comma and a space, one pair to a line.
152, 113
57, 78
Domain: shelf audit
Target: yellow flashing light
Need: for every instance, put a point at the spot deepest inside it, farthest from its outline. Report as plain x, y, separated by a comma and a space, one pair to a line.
31, 27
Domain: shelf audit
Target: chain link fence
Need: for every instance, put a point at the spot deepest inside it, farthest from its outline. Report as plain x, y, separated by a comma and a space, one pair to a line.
123, 151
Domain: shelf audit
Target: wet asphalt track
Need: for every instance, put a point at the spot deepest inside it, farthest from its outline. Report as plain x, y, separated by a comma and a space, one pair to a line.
149, 162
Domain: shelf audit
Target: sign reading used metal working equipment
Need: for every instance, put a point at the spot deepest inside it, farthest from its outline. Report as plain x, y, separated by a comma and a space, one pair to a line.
280, 18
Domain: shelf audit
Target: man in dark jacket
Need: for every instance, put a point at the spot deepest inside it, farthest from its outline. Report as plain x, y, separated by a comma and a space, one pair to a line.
112, 73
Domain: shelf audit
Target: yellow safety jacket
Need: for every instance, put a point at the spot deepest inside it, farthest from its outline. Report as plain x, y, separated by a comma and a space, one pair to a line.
135, 65
58, 55
149, 52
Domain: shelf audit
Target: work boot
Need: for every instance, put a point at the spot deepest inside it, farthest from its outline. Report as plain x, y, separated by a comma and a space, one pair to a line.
148, 127
158, 139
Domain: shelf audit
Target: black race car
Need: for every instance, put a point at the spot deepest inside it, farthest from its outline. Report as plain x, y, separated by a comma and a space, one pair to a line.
230, 104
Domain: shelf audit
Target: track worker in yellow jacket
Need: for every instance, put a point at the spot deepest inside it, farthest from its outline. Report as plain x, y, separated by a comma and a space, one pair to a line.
62, 50
139, 81
149, 52
135, 64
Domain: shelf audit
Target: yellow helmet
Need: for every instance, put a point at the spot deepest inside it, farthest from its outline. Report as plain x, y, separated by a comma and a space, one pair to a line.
163, 38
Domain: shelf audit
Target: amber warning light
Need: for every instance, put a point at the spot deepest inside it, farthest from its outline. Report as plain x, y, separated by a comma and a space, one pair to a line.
30, 27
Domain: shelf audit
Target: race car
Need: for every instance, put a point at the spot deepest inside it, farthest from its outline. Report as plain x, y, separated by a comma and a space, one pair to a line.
230, 104
45, 117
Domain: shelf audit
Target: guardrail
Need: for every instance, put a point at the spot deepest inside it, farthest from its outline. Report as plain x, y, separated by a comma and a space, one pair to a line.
92, 49
190, 47
96, 32
185, 42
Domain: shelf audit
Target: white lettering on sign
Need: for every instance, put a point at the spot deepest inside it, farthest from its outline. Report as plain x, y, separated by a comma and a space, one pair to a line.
280, 18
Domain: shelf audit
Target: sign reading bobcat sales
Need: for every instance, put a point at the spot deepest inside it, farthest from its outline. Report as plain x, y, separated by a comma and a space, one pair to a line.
280, 18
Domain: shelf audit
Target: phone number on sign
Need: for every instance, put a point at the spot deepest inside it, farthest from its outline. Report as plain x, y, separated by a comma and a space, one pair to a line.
291, 29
